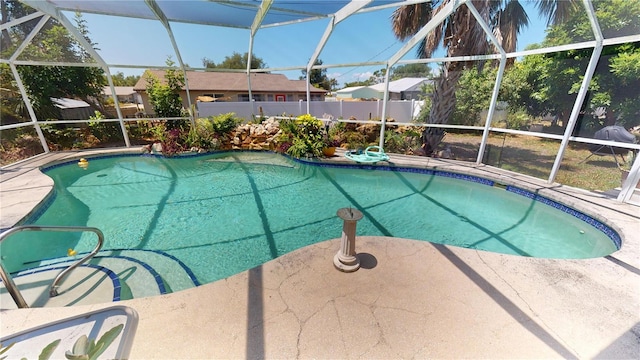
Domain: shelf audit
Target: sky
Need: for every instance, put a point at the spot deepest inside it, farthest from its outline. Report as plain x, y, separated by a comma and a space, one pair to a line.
360, 38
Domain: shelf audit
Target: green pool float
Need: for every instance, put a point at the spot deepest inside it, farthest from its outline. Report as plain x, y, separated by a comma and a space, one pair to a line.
371, 155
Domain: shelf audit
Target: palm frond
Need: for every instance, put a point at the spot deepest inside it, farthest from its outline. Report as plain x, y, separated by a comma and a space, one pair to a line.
557, 11
407, 20
509, 22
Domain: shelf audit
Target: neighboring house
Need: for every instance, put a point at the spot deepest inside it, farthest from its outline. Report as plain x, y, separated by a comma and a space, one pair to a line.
71, 109
125, 94
357, 92
233, 86
402, 89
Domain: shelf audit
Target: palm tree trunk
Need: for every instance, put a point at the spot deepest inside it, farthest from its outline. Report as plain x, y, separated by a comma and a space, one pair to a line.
443, 103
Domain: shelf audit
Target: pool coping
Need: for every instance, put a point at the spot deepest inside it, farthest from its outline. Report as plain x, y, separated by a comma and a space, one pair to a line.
558, 308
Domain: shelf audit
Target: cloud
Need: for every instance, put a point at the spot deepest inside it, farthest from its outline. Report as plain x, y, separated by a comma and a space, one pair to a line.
362, 76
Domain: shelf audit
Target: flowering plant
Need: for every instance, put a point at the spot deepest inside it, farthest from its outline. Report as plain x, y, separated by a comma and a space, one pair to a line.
304, 135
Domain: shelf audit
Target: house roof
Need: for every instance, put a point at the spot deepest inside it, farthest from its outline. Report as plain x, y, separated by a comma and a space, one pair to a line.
235, 81
349, 89
66, 103
404, 84
396, 86
120, 90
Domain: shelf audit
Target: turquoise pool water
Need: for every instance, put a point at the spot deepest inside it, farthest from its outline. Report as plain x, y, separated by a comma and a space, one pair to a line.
224, 213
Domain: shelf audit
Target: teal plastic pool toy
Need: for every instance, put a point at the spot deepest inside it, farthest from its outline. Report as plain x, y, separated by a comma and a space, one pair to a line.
368, 156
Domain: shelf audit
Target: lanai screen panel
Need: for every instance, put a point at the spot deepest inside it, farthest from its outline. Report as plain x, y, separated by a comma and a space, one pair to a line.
224, 13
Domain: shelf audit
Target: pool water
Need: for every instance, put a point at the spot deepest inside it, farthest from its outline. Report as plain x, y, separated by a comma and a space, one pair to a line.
224, 213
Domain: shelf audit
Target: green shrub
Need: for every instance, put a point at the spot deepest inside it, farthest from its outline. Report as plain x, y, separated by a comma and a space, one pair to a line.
224, 123
355, 140
104, 131
165, 96
61, 138
517, 119
305, 134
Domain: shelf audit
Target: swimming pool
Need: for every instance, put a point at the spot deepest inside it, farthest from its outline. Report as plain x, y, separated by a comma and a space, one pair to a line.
219, 214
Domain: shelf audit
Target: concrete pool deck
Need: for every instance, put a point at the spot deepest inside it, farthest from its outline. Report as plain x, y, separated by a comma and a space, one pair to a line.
410, 299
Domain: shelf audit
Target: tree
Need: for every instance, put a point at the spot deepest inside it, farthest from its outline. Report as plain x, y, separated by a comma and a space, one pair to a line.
10, 10
120, 80
52, 43
235, 61
461, 34
164, 96
548, 83
319, 78
411, 70
378, 76
358, 83
473, 95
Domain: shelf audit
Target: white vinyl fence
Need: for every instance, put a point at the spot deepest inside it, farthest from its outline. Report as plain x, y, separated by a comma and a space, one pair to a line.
401, 111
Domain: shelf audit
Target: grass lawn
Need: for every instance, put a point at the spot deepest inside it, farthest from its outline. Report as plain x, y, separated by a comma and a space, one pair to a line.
535, 157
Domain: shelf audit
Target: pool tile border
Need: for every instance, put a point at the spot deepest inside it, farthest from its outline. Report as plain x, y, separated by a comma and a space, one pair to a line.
184, 266
614, 236
151, 270
40, 209
608, 231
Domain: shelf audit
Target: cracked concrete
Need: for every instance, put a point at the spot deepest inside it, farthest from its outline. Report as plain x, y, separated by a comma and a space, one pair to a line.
409, 299
417, 300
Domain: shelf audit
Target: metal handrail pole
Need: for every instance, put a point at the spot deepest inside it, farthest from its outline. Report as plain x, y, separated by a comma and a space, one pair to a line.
53, 291
8, 281
12, 288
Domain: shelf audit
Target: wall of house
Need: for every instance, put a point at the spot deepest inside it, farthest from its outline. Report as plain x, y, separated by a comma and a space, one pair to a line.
362, 93
80, 113
234, 96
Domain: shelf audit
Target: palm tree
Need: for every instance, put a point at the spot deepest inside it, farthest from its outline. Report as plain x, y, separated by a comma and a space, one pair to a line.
461, 35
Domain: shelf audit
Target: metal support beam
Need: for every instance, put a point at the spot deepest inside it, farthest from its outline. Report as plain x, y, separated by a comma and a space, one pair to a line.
27, 103
496, 86
18, 79
582, 93
339, 16
629, 186
385, 101
19, 21
257, 21
435, 21
153, 5
54, 12
432, 24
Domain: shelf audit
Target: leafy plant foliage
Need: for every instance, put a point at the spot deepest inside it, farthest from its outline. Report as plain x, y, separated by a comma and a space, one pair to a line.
164, 96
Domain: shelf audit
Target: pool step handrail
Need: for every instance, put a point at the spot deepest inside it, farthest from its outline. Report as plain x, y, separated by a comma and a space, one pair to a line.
6, 277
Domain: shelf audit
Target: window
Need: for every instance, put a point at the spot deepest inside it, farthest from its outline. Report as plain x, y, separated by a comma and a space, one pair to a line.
216, 97
256, 97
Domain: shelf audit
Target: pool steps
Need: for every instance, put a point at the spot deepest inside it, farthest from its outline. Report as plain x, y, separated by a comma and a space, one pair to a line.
112, 275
